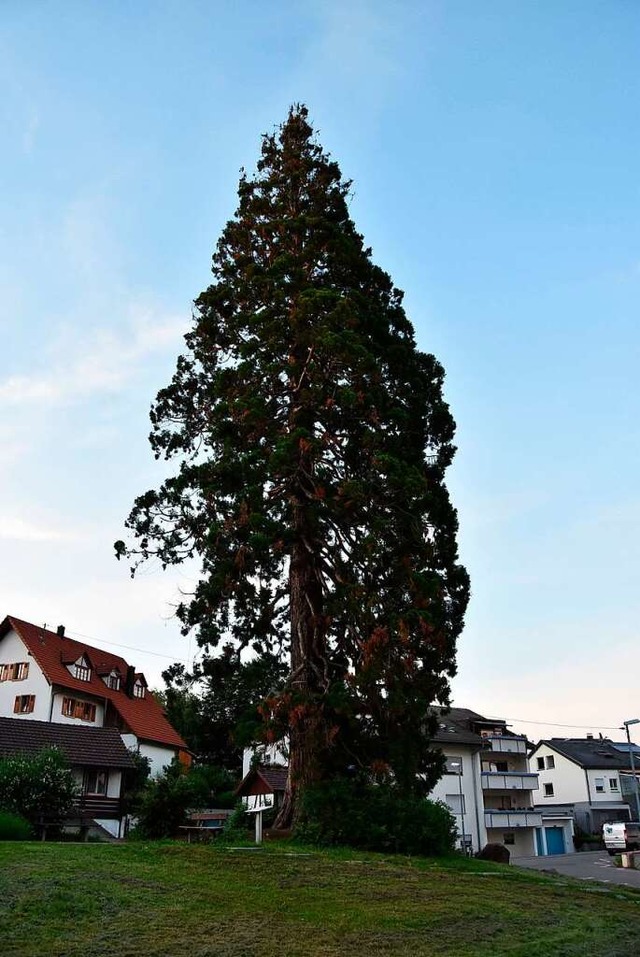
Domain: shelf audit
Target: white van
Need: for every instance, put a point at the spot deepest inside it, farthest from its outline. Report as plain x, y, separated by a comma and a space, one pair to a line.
621, 836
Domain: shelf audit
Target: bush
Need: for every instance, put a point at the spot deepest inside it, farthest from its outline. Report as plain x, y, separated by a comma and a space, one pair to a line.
39, 787
13, 827
161, 805
375, 818
235, 830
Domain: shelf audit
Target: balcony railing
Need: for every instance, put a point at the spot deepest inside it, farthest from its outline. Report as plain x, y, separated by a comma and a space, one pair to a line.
509, 819
92, 806
509, 781
509, 744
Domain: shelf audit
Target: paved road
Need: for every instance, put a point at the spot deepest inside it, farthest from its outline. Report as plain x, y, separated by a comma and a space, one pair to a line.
587, 866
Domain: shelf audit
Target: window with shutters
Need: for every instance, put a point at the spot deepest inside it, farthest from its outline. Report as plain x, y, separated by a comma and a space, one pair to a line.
83, 710
17, 671
24, 704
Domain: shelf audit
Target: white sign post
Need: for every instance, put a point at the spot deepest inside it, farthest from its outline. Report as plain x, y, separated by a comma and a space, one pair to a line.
256, 804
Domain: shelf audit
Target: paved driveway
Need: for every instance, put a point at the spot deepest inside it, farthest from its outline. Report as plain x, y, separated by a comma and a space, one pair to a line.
587, 866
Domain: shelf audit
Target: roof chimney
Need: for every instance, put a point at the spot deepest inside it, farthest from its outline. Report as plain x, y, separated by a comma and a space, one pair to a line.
130, 681
589, 737
60, 631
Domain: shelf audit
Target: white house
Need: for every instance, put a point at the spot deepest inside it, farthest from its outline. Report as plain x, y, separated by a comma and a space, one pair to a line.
487, 783
98, 760
47, 677
586, 778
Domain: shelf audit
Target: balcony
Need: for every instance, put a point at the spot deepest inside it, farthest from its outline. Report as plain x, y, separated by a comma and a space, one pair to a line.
506, 744
92, 806
509, 781
512, 819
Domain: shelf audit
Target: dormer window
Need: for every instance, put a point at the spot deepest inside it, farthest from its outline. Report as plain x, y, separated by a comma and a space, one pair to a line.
112, 681
139, 689
80, 669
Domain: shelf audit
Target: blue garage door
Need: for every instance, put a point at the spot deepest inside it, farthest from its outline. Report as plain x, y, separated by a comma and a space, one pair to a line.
555, 840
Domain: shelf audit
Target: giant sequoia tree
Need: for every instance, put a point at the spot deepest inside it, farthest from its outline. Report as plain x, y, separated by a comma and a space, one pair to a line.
311, 437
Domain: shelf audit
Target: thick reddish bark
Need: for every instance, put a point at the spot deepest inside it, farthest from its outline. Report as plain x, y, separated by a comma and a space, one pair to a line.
309, 672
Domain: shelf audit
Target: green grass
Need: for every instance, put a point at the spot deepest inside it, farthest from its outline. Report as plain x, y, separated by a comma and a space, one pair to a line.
66, 900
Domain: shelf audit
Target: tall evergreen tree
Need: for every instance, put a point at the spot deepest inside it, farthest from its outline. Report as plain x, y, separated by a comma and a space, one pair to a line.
312, 438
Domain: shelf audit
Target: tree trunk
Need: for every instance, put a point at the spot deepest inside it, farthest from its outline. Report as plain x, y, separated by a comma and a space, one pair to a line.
309, 672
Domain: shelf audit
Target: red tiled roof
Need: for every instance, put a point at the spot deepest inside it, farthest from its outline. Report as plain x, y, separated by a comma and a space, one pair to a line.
144, 716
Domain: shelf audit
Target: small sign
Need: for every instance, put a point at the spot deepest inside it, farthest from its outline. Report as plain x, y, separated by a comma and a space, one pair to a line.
258, 802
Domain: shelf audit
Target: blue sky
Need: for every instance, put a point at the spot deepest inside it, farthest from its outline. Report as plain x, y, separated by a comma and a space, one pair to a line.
494, 149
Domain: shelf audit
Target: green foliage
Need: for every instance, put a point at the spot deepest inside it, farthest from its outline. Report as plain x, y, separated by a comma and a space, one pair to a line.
212, 786
14, 827
134, 780
161, 806
311, 438
236, 828
215, 707
375, 818
38, 788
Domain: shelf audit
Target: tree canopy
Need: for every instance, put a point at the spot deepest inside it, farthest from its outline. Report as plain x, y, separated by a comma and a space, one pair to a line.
311, 437
215, 706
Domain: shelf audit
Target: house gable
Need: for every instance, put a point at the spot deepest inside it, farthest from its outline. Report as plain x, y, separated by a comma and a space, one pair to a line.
55, 657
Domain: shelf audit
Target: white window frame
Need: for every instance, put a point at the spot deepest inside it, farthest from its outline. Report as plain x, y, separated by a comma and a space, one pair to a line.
99, 778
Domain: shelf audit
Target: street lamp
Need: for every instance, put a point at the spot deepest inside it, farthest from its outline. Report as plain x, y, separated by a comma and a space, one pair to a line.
458, 765
633, 764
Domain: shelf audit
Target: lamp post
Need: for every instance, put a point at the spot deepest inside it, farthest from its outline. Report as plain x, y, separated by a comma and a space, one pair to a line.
458, 765
633, 764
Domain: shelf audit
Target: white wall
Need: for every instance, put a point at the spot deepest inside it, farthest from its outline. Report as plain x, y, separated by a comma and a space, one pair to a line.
569, 782
114, 783
609, 794
524, 840
60, 718
266, 754
13, 649
159, 757
448, 787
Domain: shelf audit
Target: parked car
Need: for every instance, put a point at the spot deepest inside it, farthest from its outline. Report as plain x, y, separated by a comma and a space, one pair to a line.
621, 836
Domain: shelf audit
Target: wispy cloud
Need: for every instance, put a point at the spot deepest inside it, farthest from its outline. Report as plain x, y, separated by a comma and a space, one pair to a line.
13, 528
105, 364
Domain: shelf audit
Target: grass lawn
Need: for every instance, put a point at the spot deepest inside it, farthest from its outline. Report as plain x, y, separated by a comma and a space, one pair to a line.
86, 900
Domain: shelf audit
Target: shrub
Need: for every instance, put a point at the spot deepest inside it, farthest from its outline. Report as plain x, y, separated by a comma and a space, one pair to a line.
38, 787
235, 830
375, 818
13, 827
160, 806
